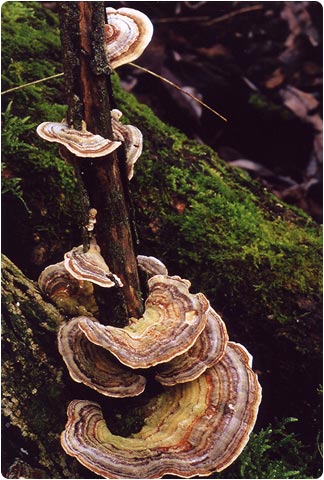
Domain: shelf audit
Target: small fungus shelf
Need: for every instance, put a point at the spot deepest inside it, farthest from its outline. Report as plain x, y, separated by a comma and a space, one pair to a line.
80, 142
128, 32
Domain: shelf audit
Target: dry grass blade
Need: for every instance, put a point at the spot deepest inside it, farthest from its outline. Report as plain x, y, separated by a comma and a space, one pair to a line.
146, 70
32, 83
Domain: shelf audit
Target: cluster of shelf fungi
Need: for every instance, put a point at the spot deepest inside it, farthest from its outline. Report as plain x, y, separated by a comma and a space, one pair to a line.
210, 396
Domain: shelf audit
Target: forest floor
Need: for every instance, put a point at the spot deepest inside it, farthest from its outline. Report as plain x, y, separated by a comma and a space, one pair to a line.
259, 64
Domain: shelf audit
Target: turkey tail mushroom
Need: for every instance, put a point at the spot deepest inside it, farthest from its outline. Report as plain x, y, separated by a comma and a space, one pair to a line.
131, 137
80, 142
95, 367
151, 265
172, 321
128, 32
208, 349
71, 296
191, 429
90, 266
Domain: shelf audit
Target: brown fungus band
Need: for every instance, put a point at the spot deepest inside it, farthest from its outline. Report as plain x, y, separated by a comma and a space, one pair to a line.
151, 265
80, 142
131, 137
207, 350
71, 296
190, 429
171, 323
95, 367
90, 266
128, 32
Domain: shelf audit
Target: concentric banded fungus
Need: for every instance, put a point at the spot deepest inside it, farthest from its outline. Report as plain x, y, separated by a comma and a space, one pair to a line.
208, 349
94, 366
128, 32
90, 266
191, 429
151, 265
172, 320
71, 296
132, 138
81, 143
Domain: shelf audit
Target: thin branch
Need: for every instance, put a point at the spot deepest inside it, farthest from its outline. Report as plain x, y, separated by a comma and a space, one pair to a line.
32, 83
180, 19
223, 18
146, 70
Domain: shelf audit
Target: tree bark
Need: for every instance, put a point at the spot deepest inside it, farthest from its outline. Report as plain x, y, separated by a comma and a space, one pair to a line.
35, 389
87, 82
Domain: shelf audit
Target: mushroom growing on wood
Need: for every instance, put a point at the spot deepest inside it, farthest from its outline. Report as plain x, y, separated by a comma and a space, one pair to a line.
131, 137
208, 349
151, 265
94, 366
71, 296
192, 429
172, 321
90, 266
80, 142
128, 32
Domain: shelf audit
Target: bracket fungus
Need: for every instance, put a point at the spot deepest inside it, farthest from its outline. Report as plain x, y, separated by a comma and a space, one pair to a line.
90, 266
80, 142
191, 429
95, 367
131, 137
128, 32
172, 321
71, 296
151, 265
208, 349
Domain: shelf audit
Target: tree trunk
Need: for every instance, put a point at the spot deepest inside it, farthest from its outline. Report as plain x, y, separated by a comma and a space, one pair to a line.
87, 82
34, 390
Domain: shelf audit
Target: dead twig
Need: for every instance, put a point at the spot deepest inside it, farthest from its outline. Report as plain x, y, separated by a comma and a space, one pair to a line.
230, 15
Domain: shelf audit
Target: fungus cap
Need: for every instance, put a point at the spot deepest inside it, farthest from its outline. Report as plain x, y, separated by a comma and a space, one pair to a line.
191, 429
151, 265
207, 350
128, 32
172, 320
95, 367
90, 266
70, 295
80, 142
131, 137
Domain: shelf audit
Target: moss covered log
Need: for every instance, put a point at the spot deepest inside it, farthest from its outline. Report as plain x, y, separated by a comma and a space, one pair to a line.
257, 260
33, 389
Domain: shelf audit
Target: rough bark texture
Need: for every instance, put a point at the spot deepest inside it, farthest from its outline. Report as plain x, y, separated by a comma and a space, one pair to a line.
33, 390
87, 88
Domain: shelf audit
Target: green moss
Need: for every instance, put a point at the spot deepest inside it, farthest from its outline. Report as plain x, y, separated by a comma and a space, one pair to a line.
34, 54
41, 199
274, 452
228, 219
